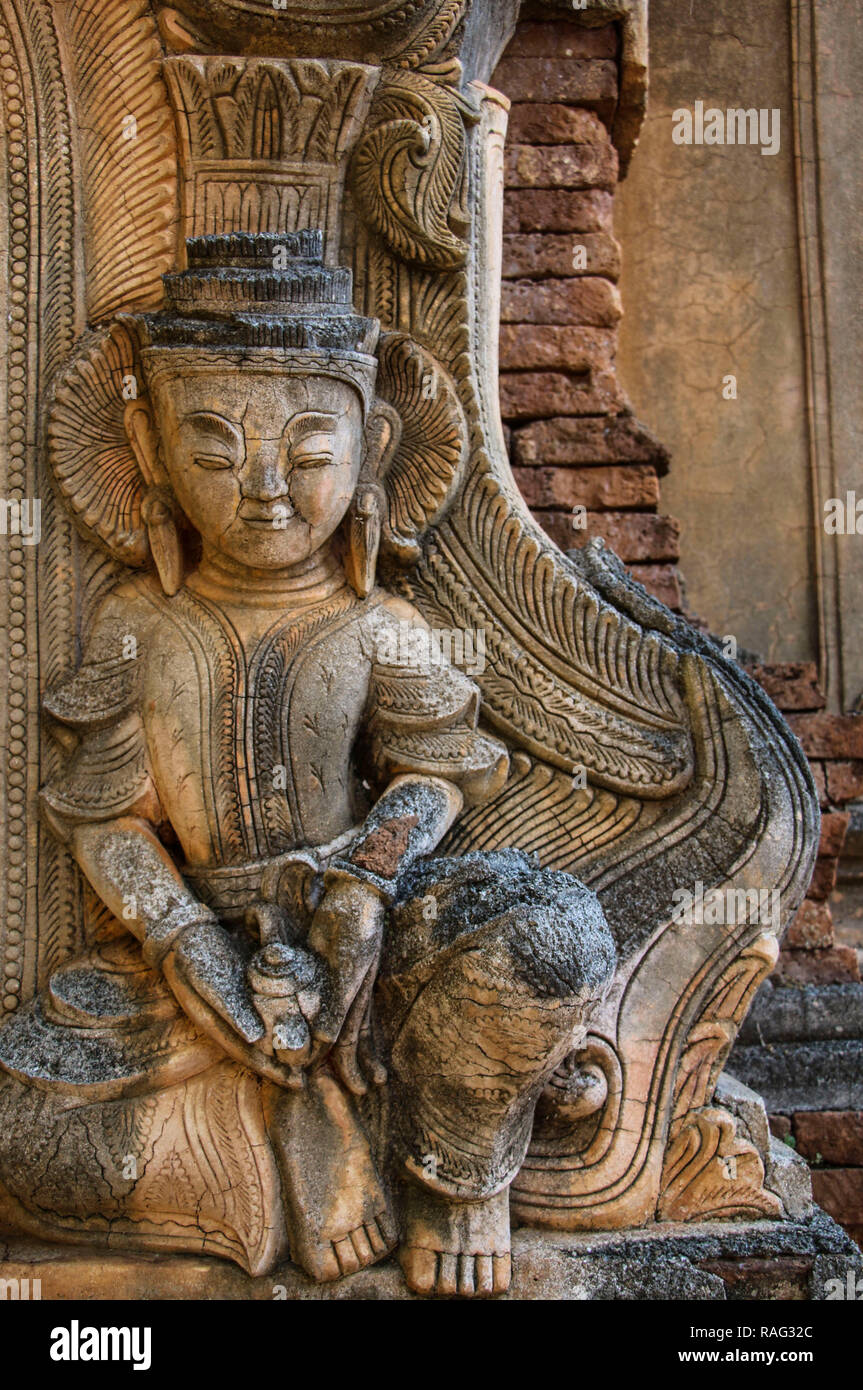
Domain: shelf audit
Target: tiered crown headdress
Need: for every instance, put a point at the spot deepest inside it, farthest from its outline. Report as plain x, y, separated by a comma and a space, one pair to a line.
265, 300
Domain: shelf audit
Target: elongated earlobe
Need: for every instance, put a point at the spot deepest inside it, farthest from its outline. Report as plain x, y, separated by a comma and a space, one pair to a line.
156, 511
164, 538
364, 539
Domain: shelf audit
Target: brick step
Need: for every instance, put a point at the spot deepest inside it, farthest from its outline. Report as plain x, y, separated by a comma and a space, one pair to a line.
560, 166
598, 489
636, 537
542, 255
620, 439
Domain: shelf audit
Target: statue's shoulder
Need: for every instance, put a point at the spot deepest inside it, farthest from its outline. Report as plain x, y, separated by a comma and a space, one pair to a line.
104, 687
134, 601
389, 610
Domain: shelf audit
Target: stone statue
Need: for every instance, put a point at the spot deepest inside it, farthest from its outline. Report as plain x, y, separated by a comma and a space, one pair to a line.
296, 948
267, 757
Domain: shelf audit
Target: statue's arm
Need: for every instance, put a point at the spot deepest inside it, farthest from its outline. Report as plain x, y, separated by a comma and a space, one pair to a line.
138, 881
408, 821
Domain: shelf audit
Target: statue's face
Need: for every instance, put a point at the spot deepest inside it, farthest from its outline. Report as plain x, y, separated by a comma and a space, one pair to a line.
264, 465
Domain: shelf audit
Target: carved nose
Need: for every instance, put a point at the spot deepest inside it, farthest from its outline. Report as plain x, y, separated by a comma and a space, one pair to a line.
262, 478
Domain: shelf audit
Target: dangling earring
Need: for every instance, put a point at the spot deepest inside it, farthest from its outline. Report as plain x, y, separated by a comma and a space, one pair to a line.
164, 540
364, 538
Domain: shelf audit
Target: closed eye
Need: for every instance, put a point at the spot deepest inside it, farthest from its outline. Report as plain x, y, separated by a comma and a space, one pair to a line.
213, 461
312, 460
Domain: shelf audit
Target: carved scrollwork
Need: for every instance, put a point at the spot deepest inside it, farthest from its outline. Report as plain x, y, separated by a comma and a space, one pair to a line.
428, 462
410, 170
407, 31
263, 143
709, 1171
128, 153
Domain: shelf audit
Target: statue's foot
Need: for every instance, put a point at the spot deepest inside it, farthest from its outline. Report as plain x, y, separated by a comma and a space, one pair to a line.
346, 1252
456, 1248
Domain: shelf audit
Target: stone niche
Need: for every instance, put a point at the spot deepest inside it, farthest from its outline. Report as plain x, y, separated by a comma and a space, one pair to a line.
377, 877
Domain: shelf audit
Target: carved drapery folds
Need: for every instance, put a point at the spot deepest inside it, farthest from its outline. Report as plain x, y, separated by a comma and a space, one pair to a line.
640, 759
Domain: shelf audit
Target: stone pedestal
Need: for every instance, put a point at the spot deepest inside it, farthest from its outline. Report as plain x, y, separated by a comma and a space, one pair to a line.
710, 1261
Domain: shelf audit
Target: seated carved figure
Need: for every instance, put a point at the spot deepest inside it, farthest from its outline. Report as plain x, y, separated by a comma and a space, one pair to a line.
293, 1028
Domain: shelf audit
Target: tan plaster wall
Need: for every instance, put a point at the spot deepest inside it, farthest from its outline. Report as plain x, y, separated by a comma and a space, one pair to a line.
711, 286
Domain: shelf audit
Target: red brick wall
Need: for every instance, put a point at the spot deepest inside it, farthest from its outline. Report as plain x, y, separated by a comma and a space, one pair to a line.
574, 440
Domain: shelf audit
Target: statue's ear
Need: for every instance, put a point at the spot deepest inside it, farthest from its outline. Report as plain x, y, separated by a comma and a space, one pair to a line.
141, 433
156, 509
382, 434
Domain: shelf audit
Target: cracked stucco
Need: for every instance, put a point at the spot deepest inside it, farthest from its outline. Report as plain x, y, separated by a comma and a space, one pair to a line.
711, 288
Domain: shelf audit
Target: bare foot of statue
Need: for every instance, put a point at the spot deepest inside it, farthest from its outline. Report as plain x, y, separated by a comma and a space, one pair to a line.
337, 1211
456, 1248
346, 1252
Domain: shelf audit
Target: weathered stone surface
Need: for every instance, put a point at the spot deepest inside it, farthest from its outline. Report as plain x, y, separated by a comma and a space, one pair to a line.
526, 395
553, 210
742, 1101
812, 928
598, 489
207, 780
831, 1136
789, 1015
560, 166
705, 1262
620, 439
588, 300
791, 685
691, 237
789, 1177
553, 124
590, 82
794, 1076
546, 255
550, 346
835, 965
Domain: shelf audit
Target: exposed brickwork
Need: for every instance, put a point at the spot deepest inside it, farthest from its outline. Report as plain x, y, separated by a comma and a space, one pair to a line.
810, 952
574, 441
831, 1136
840, 1192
